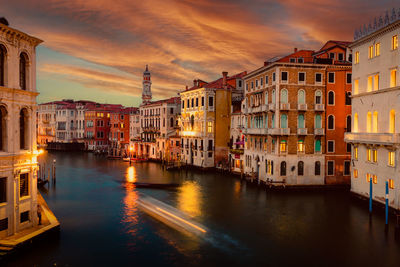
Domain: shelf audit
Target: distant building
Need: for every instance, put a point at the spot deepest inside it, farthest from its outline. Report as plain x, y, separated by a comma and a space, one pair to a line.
375, 135
18, 182
46, 123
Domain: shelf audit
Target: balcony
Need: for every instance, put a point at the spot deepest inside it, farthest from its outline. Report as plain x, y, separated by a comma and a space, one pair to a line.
319, 107
256, 131
271, 106
301, 131
285, 106
264, 108
274, 131
302, 107
237, 151
285, 131
319, 131
372, 138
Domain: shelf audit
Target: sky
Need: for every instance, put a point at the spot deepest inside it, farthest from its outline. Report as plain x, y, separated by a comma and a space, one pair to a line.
98, 49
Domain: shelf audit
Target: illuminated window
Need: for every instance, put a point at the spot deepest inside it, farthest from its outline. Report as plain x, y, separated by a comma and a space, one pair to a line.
356, 86
374, 155
369, 122
355, 123
368, 177
370, 52
357, 58
355, 173
391, 183
375, 122
393, 77
376, 82
392, 121
209, 127
369, 85
395, 42
391, 158
283, 146
369, 154
377, 49
300, 146
374, 179
355, 153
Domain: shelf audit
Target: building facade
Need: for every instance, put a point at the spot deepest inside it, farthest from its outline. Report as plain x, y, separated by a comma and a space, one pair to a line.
46, 123
375, 135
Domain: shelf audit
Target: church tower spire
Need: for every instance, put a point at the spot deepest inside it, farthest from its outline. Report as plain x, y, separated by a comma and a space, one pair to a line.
146, 93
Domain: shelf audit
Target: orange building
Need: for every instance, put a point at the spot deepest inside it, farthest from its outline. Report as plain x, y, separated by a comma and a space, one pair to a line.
119, 131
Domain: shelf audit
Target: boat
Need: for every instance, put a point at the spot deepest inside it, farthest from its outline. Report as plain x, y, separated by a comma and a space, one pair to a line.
126, 159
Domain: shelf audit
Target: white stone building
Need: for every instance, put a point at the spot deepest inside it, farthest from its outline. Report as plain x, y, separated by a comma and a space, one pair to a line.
375, 135
18, 153
46, 123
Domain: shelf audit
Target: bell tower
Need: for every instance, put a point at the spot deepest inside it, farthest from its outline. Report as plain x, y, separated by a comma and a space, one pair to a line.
146, 94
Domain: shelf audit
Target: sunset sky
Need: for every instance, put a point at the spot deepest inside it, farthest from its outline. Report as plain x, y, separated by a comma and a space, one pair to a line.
97, 50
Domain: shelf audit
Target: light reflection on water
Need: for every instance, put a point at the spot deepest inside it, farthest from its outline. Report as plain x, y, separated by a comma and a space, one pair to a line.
190, 198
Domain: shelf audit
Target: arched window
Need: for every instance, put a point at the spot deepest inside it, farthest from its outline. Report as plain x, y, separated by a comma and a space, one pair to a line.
266, 97
3, 53
375, 122
392, 121
23, 67
318, 145
273, 121
331, 98
283, 168
300, 168
191, 122
348, 98
266, 121
300, 121
273, 96
301, 98
3, 128
355, 123
251, 101
317, 170
283, 121
369, 122
23, 129
331, 122
171, 122
318, 122
348, 124
284, 96
318, 97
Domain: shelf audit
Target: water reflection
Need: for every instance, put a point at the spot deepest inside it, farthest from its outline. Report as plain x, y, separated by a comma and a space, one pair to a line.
131, 175
130, 210
190, 198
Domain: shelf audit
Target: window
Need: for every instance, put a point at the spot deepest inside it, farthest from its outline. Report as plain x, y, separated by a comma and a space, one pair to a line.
391, 158
266, 80
332, 55
331, 122
284, 76
3, 189
393, 78
302, 77
300, 60
357, 58
331, 98
300, 121
318, 77
273, 96
283, 168
23, 185
284, 121
346, 167
24, 216
392, 121
292, 60
273, 77
348, 148
256, 83
23, 60
369, 122
369, 154
371, 51
197, 103
23, 129
3, 128
211, 101
202, 101
331, 167
331, 146
317, 168
355, 173
348, 124
391, 183
374, 179
375, 122
3, 55
369, 84
376, 82
348, 78
377, 49
183, 104
300, 146
355, 153
192, 102
318, 145
209, 127
318, 97
283, 146
4, 224
395, 42
252, 85
301, 99
348, 98
356, 86
331, 77
284, 96
318, 121
261, 81
300, 168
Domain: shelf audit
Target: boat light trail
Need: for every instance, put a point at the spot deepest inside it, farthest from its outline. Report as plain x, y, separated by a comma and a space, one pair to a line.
182, 220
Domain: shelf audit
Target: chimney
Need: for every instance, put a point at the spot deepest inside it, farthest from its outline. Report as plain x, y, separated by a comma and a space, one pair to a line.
295, 49
186, 87
224, 75
194, 83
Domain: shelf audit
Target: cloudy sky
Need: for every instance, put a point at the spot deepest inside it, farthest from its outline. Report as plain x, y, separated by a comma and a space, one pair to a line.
98, 49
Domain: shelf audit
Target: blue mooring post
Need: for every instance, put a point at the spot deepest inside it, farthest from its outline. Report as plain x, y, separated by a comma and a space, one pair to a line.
387, 203
370, 195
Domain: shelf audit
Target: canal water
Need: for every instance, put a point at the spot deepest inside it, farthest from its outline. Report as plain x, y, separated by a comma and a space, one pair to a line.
101, 225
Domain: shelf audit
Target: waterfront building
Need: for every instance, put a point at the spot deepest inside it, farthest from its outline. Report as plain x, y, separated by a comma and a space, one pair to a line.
46, 123
286, 117
205, 121
96, 128
134, 130
375, 137
18, 172
119, 131
236, 153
